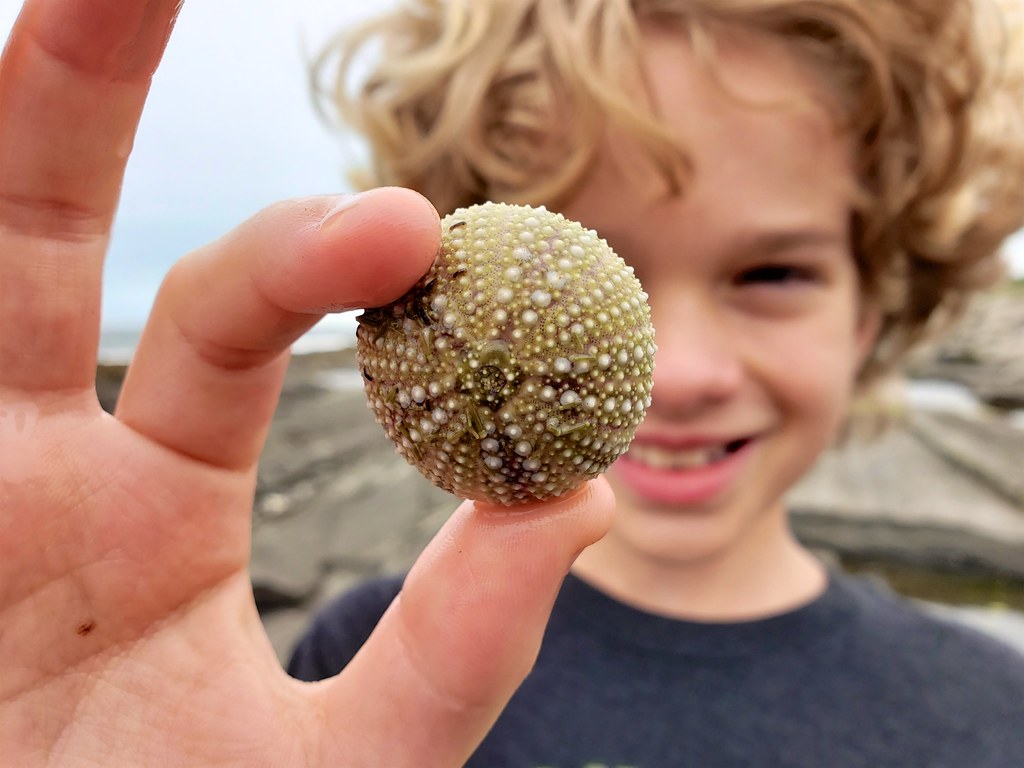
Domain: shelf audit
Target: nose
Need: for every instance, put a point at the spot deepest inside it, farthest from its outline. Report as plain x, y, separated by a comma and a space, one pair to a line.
698, 364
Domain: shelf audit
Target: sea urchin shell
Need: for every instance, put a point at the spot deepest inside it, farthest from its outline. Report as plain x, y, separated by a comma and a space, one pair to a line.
520, 365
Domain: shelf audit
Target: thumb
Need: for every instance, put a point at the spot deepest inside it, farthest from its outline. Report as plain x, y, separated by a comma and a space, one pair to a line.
462, 635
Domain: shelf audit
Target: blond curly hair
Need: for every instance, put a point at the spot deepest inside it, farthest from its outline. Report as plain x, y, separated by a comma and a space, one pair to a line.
474, 100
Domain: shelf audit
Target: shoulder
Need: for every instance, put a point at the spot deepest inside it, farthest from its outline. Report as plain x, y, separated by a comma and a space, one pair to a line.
933, 650
341, 627
956, 693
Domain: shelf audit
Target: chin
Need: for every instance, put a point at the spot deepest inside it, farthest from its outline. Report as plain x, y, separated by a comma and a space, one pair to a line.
675, 534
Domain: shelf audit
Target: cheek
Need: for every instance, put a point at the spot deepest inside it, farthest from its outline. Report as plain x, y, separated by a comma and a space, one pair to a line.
809, 366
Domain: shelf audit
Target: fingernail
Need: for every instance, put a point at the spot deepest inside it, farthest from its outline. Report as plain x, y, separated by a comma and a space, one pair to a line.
344, 203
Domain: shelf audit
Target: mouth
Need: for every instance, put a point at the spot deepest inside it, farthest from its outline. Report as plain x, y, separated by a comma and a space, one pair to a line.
659, 457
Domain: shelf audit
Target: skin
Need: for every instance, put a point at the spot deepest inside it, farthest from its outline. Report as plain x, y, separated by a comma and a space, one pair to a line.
128, 631
746, 350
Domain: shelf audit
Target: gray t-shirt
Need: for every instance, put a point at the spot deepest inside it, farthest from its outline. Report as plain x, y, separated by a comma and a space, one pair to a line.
859, 677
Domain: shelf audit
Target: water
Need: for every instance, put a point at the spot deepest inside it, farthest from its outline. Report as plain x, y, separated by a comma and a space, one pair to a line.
334, 332
936, 395
950, 397
339, 380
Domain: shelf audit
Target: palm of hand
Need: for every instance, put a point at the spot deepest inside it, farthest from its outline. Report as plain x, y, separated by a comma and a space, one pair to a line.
147, 653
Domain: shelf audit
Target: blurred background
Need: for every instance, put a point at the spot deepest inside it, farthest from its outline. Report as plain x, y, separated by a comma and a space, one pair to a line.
934, 506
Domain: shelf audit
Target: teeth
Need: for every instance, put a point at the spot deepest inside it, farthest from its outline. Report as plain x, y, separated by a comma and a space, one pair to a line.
661, 458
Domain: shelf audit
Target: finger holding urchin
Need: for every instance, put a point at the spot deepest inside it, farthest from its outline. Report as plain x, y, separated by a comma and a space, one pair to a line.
520, 365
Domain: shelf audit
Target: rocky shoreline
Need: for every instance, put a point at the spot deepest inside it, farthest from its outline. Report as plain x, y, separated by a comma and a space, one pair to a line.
941, 493
985, 352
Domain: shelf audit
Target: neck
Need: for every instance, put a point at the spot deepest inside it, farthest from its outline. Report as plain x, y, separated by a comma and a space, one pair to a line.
763, 575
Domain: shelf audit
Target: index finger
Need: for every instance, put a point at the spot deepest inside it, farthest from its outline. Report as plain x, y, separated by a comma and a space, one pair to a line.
73, 80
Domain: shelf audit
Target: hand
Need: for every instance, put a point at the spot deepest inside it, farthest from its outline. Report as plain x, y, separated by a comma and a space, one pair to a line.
128, 631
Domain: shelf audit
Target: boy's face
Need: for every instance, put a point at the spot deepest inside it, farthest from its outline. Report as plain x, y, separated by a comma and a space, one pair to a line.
755, 302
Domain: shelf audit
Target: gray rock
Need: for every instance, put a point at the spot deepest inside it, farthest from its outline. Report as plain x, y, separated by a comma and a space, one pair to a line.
897, 498
336, 505
332, 493
984, 352
990, 450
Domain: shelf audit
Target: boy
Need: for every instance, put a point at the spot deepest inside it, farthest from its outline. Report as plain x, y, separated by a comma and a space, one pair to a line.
802, 189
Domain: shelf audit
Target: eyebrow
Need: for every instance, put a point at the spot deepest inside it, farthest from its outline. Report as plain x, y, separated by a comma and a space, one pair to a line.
780, 241
766, 241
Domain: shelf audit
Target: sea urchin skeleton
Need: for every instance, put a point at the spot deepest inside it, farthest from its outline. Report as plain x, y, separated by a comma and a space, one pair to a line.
520, 365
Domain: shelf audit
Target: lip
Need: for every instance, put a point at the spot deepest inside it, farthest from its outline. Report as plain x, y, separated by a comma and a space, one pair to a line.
683, 486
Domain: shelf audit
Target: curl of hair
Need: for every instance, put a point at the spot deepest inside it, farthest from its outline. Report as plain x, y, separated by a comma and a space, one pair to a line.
474, 100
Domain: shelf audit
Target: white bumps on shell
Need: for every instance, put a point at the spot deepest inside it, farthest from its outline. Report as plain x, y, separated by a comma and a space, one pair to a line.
520, 365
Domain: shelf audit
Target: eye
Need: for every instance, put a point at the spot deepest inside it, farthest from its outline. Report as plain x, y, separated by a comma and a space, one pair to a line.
776, 274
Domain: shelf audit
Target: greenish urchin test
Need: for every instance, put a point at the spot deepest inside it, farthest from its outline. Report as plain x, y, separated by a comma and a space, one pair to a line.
520, 365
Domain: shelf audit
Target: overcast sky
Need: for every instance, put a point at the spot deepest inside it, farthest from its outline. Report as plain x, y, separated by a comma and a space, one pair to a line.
229, 128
